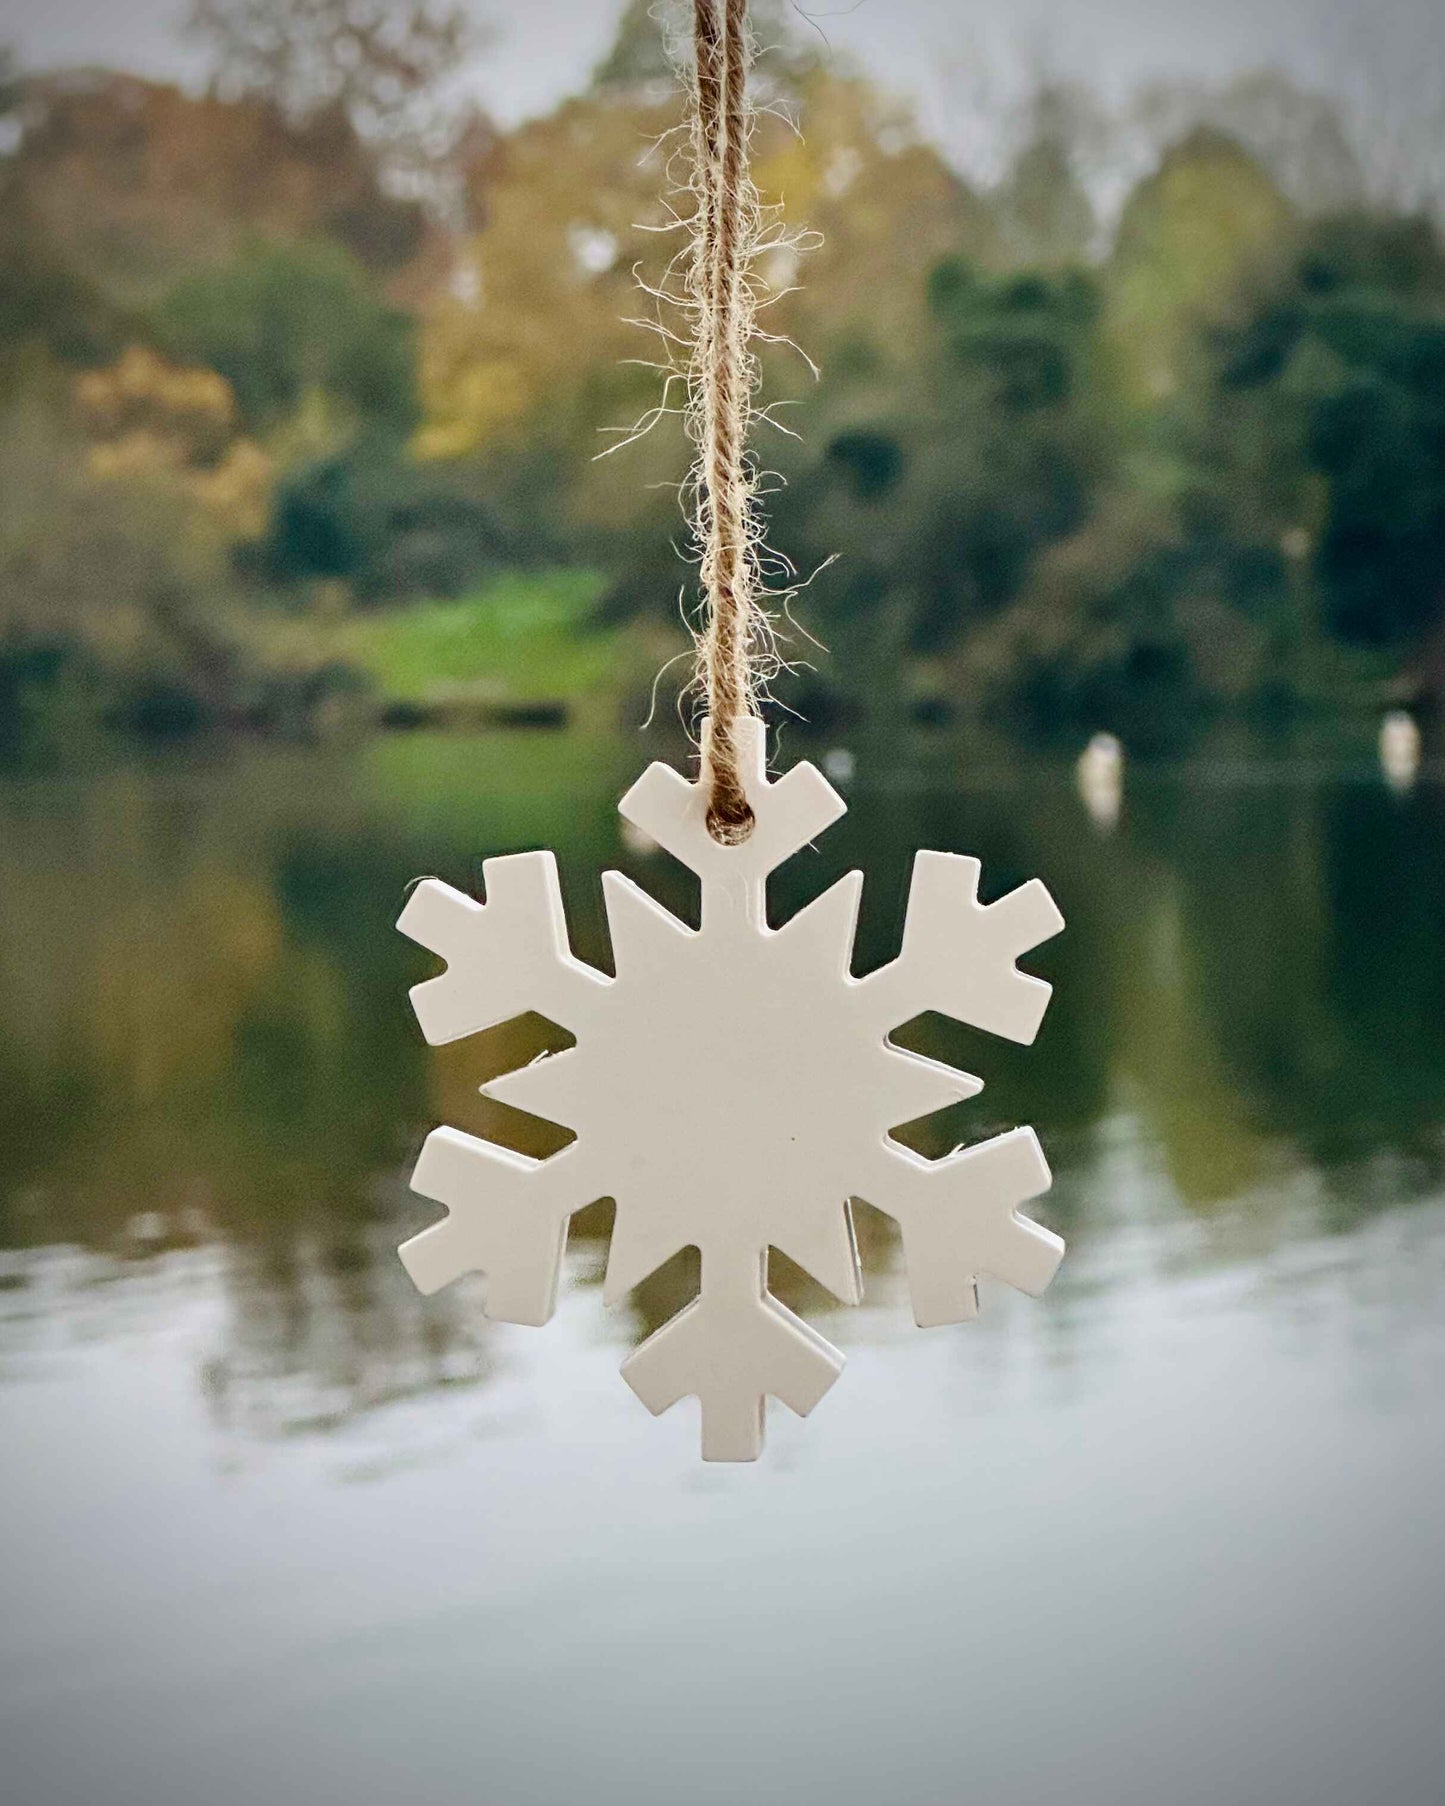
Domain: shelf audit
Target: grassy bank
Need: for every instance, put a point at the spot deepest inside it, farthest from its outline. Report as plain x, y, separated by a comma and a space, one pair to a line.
522, 642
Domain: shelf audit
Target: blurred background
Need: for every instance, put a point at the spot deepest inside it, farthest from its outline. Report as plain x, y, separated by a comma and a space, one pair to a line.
1127, 442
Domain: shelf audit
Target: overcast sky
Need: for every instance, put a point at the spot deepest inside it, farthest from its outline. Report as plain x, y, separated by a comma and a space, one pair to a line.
928, 50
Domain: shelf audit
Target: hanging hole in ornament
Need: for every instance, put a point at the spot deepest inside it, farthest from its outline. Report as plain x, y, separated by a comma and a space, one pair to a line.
732, 829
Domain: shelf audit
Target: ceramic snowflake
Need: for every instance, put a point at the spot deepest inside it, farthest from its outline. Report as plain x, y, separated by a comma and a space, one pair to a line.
732, 1088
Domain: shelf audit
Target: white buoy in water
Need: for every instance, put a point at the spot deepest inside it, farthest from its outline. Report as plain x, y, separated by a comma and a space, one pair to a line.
1399, 749
1099, 775
838, 764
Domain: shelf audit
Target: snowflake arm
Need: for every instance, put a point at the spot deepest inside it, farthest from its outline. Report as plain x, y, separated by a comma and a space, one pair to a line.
959, 1216
506, 1218
732, 1348
504, 957
787, 814
959, 955
960, 1221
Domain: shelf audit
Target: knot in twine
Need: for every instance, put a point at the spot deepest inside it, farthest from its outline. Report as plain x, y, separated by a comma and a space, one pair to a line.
721, 380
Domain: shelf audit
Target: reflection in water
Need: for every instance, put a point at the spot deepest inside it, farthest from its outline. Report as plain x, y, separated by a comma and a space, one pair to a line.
205, 1040
276, 1528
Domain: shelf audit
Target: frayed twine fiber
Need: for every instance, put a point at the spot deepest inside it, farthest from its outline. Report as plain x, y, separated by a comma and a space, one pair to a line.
722, 377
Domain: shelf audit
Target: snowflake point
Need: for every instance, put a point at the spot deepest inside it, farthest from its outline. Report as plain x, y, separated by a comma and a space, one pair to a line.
959, 955
498, 1224
732, 1352
960, 1222
504, 957
787, 814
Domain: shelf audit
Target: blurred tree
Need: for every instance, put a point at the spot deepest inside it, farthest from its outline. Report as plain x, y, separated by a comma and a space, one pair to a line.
1130, 624
113, 587
881, 207
1042, 205
383, 65
325, 373
641, 63
529, 354
653, 43
284, 325
1330, 416
1073, 493
44, 303
126, 184
157, 425
938, 481
375, 521
1016, 378
536, 307
12, 89
1300, 139
1098, 599
1190, 236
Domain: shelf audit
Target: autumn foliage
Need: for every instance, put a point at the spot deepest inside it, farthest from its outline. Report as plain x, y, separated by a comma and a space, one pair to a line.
309, 342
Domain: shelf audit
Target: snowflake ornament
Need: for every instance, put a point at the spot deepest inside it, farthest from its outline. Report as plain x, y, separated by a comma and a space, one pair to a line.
732, 1089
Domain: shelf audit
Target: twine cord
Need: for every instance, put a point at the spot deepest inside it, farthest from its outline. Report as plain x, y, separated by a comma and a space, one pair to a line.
721, 382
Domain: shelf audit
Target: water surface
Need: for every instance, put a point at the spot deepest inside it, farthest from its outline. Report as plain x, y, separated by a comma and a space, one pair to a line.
274, 1527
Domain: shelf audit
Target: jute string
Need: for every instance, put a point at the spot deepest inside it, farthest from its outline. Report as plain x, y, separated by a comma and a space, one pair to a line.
721, 382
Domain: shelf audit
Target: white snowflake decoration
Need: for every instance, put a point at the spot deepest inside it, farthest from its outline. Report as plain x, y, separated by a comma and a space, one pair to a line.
732, 1088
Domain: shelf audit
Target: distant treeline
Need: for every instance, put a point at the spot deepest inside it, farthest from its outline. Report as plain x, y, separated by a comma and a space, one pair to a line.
271, 357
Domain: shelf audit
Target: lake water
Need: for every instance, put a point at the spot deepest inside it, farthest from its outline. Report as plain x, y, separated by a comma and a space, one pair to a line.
277, 1529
